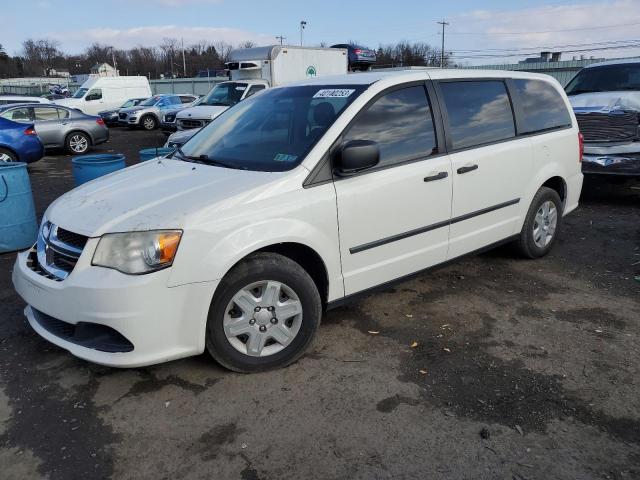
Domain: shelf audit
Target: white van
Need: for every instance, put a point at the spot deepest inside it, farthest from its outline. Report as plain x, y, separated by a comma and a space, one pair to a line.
106, 93
255, 69
297, 200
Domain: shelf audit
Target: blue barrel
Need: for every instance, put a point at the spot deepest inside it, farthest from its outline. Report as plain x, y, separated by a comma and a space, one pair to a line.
18, 227
150, 153
88, 167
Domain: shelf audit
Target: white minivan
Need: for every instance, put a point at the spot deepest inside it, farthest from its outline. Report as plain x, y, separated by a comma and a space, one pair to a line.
98, 94
294, 201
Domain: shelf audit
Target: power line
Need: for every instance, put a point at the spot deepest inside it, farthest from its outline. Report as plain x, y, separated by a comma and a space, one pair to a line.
547, 31
547, 47
519, 54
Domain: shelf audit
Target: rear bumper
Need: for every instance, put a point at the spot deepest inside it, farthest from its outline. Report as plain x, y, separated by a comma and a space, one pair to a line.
101, 137
627, 164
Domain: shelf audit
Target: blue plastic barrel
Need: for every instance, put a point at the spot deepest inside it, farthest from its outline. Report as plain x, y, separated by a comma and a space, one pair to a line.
18, 227
88, 167
150, 153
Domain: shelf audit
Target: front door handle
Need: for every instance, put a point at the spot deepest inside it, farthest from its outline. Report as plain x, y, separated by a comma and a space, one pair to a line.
437, 176
467, 168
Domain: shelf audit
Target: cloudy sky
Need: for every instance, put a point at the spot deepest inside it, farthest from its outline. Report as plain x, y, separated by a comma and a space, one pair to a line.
490, 31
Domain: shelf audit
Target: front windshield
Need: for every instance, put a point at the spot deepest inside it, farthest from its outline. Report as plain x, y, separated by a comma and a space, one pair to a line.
128, 103
80, 92
273, 131
151, 101
225, 94
608, 78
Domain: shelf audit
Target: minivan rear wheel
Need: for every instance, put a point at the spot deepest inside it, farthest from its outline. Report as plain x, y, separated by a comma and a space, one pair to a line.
264, 314
542, 224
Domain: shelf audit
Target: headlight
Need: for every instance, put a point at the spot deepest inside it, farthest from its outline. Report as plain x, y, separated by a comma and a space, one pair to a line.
135, 253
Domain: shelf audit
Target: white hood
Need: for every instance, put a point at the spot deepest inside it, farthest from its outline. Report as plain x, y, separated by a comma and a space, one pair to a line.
607, 100
155, 195
202, 112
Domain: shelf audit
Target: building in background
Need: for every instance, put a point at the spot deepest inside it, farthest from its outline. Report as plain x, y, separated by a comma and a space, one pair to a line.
104, 70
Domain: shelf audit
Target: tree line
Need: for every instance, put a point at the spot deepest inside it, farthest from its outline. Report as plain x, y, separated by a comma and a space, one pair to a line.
39, 57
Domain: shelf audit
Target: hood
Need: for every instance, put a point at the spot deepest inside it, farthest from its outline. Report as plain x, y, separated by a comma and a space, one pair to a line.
130, 110
181, 136
155, 195
202, 111
606, 101
68, 102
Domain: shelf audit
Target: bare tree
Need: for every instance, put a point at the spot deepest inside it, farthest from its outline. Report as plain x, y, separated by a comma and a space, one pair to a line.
224, 50
247, 44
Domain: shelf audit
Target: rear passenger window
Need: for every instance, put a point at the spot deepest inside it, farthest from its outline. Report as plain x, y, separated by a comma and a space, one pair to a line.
542, 106
479, 112
401, 123
46, 113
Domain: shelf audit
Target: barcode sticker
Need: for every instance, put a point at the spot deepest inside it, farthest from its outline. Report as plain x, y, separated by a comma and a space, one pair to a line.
333, 93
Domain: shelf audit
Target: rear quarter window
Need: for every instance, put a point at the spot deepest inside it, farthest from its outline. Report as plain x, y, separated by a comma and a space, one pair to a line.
542, 106
479, 112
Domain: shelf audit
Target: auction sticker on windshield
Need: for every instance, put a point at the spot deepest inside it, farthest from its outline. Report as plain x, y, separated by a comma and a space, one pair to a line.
333, 93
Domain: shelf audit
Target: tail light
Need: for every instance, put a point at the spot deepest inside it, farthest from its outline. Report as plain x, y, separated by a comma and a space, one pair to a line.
581, 145
357, 51
100, 122
30, 131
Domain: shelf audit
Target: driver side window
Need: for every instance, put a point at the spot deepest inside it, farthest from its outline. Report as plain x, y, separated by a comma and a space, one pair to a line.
400, 122
94, 94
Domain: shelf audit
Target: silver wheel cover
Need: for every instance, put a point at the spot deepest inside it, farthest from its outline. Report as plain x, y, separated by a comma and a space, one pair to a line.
262, 318
545, 224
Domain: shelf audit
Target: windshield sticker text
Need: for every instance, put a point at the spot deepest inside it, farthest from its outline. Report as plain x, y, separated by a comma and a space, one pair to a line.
283, 157
333, 93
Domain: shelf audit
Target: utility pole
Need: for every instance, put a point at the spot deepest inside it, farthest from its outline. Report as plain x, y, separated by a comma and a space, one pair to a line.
443, 23
184, 62
113, 59
303, 24
281, 38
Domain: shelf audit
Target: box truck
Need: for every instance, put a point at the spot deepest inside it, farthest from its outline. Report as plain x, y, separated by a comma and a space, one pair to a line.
252, 70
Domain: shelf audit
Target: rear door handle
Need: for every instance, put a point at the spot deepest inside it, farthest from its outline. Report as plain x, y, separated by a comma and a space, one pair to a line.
467, 168
437, 176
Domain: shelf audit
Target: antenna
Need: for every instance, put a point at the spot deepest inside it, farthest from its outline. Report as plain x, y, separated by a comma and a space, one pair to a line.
281, 38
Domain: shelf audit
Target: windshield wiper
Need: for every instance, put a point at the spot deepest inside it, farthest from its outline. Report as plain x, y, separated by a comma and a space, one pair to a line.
204, 159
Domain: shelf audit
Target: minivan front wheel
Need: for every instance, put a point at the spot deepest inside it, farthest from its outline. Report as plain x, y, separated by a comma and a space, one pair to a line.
264, 315
542, 224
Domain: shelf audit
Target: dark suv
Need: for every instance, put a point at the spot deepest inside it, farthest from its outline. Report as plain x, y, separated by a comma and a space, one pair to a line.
360, 58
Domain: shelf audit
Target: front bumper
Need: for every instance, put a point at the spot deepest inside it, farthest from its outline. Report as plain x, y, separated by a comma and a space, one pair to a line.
161, 323
627, 164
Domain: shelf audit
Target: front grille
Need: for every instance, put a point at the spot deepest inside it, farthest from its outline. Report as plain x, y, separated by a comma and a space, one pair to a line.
90, 335
188, 124
613, 126
123, 116
70, 238
170, 118
57, 252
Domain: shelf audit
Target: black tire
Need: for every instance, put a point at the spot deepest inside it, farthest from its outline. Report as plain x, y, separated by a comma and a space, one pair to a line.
149, 122
255, 268
526, 243
7, 156
74, 137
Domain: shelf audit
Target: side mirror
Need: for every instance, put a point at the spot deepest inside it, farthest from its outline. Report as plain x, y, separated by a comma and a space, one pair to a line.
357, 155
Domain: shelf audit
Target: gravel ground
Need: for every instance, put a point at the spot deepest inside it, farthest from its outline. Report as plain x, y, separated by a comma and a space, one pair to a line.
494, 367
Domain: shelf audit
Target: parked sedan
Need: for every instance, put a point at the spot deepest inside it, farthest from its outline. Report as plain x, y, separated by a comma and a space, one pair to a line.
19, 142
110, 117
60, 127
360, 58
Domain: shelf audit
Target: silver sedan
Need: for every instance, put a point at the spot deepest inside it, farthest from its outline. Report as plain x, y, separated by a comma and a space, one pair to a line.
60, 127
